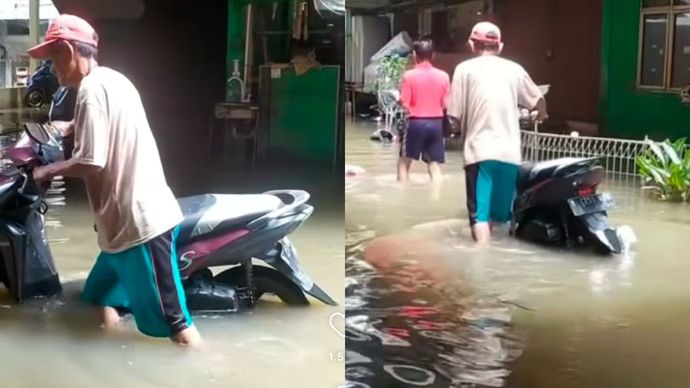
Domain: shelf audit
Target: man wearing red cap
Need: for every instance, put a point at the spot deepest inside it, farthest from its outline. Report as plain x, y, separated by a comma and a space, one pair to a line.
485, 94
137, 215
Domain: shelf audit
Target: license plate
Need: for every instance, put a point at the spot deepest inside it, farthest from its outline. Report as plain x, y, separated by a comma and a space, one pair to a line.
591, 204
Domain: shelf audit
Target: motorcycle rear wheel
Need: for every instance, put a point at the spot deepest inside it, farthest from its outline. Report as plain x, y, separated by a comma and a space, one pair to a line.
266, 281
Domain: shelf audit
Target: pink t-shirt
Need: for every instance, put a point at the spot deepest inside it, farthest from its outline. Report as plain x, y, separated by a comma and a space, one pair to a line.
425, 91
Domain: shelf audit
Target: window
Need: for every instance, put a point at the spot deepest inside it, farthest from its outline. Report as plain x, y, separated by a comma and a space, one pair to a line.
664, 62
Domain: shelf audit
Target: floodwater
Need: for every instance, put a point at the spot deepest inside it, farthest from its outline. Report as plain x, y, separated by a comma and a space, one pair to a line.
57, 343
425, 308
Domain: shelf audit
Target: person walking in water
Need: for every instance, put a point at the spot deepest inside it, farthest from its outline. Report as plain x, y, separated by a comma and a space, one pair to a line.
483, 107
137, 215
424, 95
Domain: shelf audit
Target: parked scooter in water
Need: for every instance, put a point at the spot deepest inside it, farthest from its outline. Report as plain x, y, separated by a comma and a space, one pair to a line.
218, 230
41, 86
557, 203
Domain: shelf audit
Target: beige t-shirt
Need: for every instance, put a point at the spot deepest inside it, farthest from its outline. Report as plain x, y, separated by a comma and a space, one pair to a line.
129, 195
485, 94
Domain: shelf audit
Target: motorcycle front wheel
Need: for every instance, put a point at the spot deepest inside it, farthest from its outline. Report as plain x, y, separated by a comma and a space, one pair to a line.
33, 99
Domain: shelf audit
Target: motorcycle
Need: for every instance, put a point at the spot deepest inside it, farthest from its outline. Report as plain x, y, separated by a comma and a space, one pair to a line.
41, 85
557, 201
557, 204
218, 230
62, 104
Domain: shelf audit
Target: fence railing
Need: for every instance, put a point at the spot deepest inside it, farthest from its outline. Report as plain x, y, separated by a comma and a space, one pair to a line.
617, 155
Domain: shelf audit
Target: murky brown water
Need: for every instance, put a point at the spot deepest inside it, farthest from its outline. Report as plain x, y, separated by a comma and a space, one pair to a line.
57, 343
515, 314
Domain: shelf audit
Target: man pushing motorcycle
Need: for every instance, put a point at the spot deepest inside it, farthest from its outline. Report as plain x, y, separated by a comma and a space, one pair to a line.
137, 215
483, 106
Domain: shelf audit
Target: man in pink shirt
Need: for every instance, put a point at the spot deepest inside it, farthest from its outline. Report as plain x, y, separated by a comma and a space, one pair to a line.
424, 93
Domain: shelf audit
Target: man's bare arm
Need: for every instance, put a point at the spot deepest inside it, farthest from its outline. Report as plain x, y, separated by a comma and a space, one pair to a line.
69, 168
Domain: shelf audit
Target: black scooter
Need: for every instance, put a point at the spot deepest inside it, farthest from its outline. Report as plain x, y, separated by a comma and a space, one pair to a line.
41, 86
557, 204
219, 230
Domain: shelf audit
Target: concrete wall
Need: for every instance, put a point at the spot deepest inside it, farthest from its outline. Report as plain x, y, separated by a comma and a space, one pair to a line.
175, 55
559, 43
11, 98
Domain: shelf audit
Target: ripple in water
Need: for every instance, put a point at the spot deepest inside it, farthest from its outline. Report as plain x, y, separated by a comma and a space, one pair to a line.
403, 329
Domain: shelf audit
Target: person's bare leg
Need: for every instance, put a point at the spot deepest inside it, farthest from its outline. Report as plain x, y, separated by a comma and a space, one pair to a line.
435, 172
404, 169
481, 233
109, 317
188, 337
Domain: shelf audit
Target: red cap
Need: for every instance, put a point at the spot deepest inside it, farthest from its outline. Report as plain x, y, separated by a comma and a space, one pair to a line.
486, 32
65, 27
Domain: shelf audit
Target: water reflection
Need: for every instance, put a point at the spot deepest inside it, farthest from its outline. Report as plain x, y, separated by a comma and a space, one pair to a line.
407, 327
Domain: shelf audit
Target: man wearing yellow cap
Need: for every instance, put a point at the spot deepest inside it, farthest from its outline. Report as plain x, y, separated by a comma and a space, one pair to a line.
485, 94
137, 215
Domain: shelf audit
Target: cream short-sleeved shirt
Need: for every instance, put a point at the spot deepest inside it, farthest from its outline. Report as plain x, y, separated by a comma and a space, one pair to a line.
484, 97
129, 195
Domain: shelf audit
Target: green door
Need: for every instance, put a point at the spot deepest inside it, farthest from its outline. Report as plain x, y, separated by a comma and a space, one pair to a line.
302, 117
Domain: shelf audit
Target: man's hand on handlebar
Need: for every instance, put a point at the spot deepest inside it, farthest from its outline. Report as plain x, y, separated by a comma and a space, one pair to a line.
42, 175
541, 113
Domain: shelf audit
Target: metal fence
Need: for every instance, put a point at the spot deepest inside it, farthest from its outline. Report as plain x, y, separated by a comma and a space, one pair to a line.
617, 155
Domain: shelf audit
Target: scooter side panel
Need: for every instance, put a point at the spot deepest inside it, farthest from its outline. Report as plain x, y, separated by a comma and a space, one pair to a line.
193, 255
250, 245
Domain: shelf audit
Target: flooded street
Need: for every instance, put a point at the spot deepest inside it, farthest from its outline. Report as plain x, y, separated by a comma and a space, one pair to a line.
427, 309
57, 343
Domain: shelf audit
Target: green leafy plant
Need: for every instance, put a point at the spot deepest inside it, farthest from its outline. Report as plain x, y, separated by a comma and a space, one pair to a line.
391, 70
665, 168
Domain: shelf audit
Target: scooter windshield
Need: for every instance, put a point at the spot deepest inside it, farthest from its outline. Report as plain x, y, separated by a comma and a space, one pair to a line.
37, 132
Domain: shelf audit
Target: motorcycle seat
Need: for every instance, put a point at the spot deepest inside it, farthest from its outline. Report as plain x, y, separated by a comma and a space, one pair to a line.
217, 213
533, 173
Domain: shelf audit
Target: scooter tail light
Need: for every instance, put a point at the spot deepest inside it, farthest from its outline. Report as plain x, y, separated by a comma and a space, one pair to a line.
585, 191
